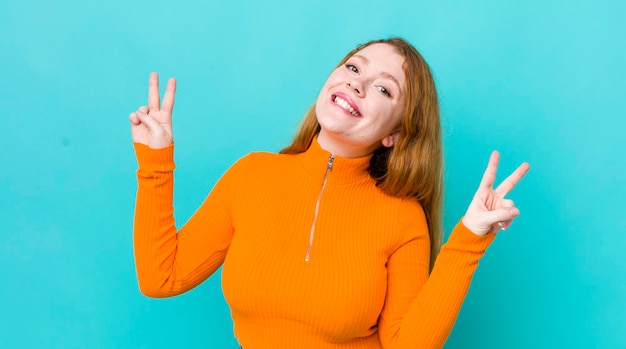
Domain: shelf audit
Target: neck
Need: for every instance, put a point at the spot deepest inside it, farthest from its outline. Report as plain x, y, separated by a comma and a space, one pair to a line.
340, 147
344, 170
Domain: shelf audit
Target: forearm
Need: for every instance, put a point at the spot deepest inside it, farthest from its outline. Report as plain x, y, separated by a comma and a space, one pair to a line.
171, 262
155, 239
436, 309
430, 316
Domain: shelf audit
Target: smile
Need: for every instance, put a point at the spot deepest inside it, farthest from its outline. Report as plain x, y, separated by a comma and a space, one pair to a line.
346, 106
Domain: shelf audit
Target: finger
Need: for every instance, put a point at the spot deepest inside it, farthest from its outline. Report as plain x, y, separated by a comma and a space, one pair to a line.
505, 225
154, 101
507, 203
511, 181
134, 119
489, 176
168, 99
149, 121
500, 215
143, 109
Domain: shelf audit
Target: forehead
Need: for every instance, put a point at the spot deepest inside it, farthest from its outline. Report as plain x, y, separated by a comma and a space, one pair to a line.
385, 58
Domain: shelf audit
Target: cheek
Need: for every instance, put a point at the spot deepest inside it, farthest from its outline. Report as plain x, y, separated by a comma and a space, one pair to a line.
330, 82
322, 96
386, 110
398, 112
391, 118
339, 75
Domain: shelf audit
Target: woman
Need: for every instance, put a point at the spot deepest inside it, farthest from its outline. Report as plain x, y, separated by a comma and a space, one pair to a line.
330, 243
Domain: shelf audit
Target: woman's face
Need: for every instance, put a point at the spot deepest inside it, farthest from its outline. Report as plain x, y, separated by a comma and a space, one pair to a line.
360, 106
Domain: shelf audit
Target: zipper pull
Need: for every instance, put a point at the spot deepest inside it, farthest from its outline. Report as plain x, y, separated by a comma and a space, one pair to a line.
330, 162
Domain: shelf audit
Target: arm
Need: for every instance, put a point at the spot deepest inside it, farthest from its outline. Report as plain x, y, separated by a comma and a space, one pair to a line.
420, 311
426, 319
170, 262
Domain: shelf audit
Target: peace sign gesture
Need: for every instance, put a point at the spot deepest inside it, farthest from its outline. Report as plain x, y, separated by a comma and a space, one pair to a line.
489, 211
152, 125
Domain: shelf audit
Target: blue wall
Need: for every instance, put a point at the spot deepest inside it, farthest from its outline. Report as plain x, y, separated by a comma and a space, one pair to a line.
542, 81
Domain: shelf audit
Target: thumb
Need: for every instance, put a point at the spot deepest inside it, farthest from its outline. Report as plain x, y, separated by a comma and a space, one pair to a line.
150, 122
500, 215
483, 222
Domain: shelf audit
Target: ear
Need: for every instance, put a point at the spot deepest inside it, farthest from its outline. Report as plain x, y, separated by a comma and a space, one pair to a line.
391, 140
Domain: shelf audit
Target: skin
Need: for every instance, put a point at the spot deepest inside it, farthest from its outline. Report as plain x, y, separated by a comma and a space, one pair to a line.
152, 125
488, 212
372, 81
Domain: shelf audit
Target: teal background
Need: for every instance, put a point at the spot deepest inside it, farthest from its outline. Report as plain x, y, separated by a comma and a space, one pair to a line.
542, 81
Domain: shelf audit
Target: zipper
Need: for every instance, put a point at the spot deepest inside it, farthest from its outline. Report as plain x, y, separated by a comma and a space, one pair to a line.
317, 207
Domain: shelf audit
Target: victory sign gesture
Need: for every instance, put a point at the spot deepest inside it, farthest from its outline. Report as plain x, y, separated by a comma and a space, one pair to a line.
489, 211
152, 125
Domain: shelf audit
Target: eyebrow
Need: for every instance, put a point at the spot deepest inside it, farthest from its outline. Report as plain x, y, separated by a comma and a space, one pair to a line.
385, 74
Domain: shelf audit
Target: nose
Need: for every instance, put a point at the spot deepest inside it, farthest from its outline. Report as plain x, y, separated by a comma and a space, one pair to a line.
357, 86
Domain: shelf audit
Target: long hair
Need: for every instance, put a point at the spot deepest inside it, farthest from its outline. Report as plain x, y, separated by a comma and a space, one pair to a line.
413, 167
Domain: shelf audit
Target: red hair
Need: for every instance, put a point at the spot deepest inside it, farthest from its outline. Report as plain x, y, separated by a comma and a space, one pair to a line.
413, 167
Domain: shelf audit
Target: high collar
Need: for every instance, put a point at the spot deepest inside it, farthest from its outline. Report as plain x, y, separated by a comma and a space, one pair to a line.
344, 170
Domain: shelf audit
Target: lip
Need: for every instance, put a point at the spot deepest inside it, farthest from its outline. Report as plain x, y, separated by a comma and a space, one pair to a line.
348, 100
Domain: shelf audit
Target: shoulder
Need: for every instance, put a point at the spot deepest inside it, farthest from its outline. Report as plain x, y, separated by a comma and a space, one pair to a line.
250, 169
261, 159
263, 156
259, 163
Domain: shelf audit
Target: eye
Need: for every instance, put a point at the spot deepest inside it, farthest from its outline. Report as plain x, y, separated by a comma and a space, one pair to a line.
384, 91
352, 67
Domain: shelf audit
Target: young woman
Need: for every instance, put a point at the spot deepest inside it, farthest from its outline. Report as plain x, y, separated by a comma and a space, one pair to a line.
331, 243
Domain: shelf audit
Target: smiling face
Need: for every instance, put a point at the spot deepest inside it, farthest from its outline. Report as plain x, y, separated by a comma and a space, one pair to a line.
360, 106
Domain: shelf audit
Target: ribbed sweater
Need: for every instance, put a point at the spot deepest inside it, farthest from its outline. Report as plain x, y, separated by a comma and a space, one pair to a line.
365, 283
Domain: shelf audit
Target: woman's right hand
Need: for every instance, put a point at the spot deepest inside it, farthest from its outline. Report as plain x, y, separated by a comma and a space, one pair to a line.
152, 125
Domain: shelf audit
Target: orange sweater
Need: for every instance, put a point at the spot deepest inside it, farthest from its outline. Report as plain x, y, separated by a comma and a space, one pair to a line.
365, 284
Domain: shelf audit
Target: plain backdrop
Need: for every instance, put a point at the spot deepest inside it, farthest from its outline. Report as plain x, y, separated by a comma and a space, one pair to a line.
541, 81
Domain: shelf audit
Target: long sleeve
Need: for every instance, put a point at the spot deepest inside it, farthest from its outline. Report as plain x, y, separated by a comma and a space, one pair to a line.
367, 283
421, 310
170, 262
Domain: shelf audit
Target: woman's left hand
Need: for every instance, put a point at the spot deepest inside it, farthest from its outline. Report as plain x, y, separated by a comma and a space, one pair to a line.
489, 211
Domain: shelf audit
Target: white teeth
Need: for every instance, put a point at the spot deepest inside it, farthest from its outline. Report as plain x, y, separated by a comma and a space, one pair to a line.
345, 105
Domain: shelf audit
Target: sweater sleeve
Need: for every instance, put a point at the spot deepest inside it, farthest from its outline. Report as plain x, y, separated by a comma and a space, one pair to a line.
168, 262
420, 310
